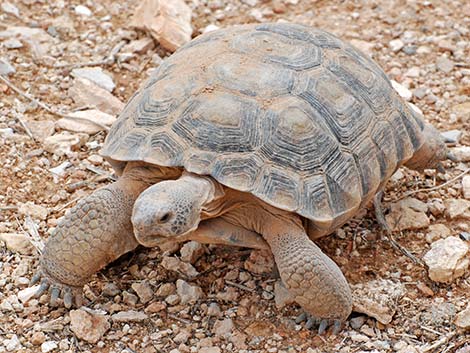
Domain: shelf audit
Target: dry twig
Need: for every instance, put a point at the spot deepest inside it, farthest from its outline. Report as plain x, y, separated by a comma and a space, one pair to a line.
451, 181
239, 286
47, 108
440, 342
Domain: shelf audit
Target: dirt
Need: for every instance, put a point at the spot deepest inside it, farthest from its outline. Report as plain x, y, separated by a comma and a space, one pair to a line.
424, 316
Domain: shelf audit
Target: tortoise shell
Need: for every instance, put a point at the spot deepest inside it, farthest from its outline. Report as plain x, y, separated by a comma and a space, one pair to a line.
291, 114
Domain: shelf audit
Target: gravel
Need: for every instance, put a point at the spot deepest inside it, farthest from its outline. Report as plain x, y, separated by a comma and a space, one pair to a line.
62, 54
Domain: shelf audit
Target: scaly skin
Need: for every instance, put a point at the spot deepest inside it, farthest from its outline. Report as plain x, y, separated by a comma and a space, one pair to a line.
92, 234
315, 281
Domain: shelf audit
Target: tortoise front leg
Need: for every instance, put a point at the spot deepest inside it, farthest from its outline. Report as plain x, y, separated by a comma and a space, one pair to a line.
92, 234
313, 279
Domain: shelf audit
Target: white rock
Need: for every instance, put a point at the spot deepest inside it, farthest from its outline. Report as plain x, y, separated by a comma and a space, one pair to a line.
34, 211
95, 75
223, 328
413, 72
6, 68
19, 243
83, 11
129, 316
404, 92
462, 319
214, 310
191, 251
41, 129
95, 159
59, 171
37, 39
143, 291
13, 43
139, 46
48, 346
26, 294
210, 28
62, 143
462, 110
447, 259
10, 9
168, 21
437, 231
466, 186
282, 296
406, 214
457, 208
444, 64
451, 136
250, 2
189, 294
462, 153
175, 264
86, 93
415, 108
397, 176
86, 125
87, 325
378, 298
396, 45
211, 349
7, 132
13, 344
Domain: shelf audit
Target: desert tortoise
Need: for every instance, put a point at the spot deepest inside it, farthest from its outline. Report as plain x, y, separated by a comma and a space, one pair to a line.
281, 131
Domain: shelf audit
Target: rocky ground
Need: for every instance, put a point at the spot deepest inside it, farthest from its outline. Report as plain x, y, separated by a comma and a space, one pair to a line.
62, 58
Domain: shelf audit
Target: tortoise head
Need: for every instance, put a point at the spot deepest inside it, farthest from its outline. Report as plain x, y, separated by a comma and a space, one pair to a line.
169, 210
431, 153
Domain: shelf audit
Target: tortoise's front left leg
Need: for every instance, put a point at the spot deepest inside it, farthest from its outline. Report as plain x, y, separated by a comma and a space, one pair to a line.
312, 278
92, 234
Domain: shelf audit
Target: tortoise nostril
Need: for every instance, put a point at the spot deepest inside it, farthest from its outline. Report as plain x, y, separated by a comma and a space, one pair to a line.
164, 218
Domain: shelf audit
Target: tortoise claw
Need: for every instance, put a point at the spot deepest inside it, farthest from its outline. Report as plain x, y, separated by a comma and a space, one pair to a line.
42, 288
323, 324
57, 290
337, 324
35, 279
68, 298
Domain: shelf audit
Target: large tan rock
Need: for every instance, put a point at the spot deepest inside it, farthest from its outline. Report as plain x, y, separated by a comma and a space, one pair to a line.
168, 21
86, 93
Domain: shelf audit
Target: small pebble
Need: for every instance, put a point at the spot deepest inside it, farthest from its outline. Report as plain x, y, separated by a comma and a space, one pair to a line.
83, 11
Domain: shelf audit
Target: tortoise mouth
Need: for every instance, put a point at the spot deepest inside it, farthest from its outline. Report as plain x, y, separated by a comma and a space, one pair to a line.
152, 240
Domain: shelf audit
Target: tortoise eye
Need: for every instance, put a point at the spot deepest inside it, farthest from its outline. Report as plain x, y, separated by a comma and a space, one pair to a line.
164, 218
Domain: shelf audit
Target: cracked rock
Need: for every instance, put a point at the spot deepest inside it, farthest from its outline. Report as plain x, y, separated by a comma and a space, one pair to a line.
447, 259
408, 214
377, 298
191, 252
88, 326
188, 293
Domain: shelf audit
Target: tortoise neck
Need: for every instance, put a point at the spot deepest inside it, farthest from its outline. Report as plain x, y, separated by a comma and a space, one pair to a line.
207, 190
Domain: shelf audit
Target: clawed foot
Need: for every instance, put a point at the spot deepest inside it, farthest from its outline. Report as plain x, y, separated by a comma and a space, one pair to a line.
322, 324
56, 291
